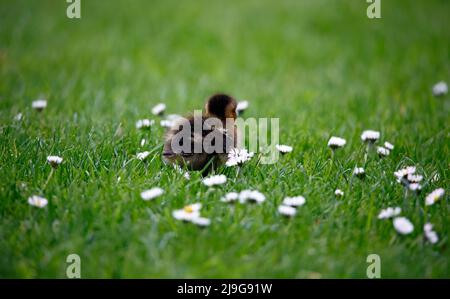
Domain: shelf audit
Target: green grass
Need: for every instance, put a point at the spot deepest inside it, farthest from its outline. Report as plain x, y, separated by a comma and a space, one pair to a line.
322, 67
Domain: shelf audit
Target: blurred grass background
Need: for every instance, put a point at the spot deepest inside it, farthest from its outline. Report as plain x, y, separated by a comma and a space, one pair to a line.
322, 67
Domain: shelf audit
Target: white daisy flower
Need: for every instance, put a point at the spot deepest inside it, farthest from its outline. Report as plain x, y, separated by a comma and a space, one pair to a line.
414, 178
215, 180
370, 136
171, 120
201, 221
143, 141
415, 187
144, 123
283, 148
382, 152
39, 104
238, 157
37, 201
407, 170
142, 156
165, 123
241, 106
339, 193
188, 213
336, 142
230, 197
173, 117
403, 226
252, 196
440, 89
389, 146
428, 227
296, 201
151, 193
359, 172
434, 196
389, 213
18, 117
431, 235
403, 173
159, 109
54, 161
287, 210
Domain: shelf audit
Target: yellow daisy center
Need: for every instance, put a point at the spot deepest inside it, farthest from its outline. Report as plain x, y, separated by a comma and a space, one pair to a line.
188, 209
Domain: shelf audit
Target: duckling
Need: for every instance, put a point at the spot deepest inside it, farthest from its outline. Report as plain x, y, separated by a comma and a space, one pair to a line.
202, 142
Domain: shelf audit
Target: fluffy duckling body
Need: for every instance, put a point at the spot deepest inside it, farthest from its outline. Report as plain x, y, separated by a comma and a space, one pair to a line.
202, 142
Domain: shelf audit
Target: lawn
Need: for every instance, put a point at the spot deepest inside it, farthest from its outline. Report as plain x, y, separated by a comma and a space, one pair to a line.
322, 67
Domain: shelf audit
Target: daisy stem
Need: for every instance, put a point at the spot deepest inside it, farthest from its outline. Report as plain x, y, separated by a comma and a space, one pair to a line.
330, 166
361, 151
405, 199
369, 218
41, 122
425, 213
237, 172
422, 215
351, 182
366, 154
48, 178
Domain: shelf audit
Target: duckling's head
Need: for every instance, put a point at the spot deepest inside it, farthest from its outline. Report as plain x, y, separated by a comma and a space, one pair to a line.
222, 106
